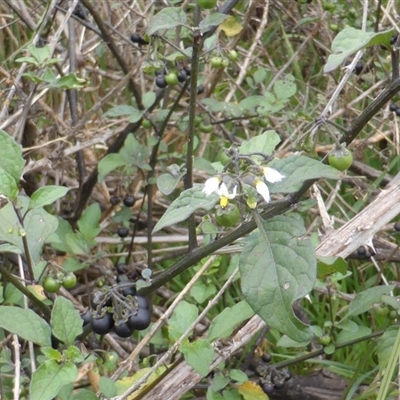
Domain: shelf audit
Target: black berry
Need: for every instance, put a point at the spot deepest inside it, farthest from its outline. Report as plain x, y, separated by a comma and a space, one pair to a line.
358, 68
114, 200
123, 330
278, 385
397, 111
397, 226
129, 201
393, 39
80, 12
102, 325
266, 357
121, 268
135, 38
188, 70
86, 317
123, 232
361, 251
393, 107
268, 388
182, 75
200, 89
141, 320
129, 291
161, 82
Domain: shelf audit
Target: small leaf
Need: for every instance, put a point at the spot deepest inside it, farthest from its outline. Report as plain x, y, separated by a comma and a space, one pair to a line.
119, 111
109, 163
231, 27
226, 321
26, 324
166, 183
264, 143
41, 54
277, 267
350, 40
89, 223
107, 387
49, 378
148, 99
346, 335
8, 185
183, 316
167, 18
211, 20
201, 292
198, 355
185, 205
385, 345
46, 195
69, 81
252, 391
65, 321
329, 265
298, 169
251, 102
286, 88
136, 115
366, 299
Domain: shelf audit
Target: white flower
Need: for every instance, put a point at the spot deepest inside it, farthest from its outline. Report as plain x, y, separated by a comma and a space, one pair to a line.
262, 188
224, 194
272, 175
211, 185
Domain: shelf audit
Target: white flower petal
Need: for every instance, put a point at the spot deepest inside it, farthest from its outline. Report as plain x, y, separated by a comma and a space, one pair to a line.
262, 188
211, 185
272, 175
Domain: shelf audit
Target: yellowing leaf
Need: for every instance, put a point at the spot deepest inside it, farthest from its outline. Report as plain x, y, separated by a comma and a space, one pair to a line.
37, 290
251, 391
231, 27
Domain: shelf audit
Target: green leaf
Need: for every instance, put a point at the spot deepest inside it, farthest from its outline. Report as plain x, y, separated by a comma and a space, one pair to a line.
11, 156
108, 163
251, 102
183, 316
49, 378
286, 88
69, 81
198, 355
41, 54
136, 115
107, 387
328, 265
277, 268
350, 40
201, 292
238, 376
8, 185
89, 223
148, 99
84, 394
118, 111
385, 345
211, 20
65, 321
78, 244
166, 183
366, 299
346, 335
392, 301
185, 205
229, 109
51, 354
47, 195
226, 321
135, 154
26, 324
264, 143
167, 18
298, 169
9, 248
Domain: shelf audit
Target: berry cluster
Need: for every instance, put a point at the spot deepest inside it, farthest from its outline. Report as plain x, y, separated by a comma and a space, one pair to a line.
118, 307
394, 108
271, 379
54, 281
172, 78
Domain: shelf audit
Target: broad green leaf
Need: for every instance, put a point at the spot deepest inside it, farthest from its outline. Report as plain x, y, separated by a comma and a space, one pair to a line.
9, 248
201, 292
83, 394
58, 238
107, 387
89, 223
251, 102
69, 81
286, 88
329, 265
166, 183
51, 354
392, 301
11, 159
229, 109
226, 321
238, 376
185, 205
108, 163
41, 54
65, 321
277, 268
350, 40
219, 382
148, 99
26, 324
346, 335
49, 378
136, 115
135, 154
8, 185
167, 18
211, 20
198, 355
264, 143
366, 299
298, 169
118, 111
47, 195
78, 244
38, 225
183, 316
385, 345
